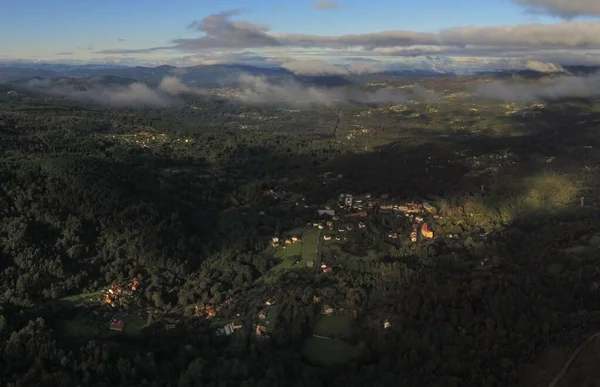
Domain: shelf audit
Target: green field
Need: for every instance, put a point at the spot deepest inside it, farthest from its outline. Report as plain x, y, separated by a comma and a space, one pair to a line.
329, 352
310, 241
294, 256
133, 324
339, 327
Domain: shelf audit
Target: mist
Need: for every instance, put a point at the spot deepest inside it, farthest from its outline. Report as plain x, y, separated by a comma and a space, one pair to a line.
133, 95
260, 90
546, 89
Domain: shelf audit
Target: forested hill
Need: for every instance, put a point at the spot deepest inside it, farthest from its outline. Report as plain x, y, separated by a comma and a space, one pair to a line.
195, 245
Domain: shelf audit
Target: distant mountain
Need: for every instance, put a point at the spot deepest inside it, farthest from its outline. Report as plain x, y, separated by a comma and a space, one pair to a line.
582, 70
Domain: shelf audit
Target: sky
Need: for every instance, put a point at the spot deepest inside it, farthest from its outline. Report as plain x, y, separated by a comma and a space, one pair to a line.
304, 35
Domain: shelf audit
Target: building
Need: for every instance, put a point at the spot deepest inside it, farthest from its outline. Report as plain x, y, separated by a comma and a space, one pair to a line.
275, 242
361, 225
329, 225
413, 236
230, 328
261, 330
429, 208
326, 212
327, 237
387, 324
348, 200
117, 325
327, 310
426, 232
327, 270
262, 315
310, 263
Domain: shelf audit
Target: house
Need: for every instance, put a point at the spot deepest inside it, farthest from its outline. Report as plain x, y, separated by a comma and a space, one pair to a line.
228, 329
210, 312
348, 200
135, 284
327, 237
393, 235
413, 236
295, 239
326, 212
330, 225
288, 241
387, 324
429, 208
262, 315
117, 325
327, 310
426, 232
261, 330
310, 263
316, 299
327, 270
269, 302
275, 242
361, 225
419, 219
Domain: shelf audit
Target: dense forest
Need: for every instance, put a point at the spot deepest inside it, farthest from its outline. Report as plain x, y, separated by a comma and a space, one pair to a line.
178, 200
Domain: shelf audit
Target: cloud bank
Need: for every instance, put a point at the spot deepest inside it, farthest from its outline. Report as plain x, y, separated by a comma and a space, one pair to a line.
563, 8
260, 90
220, 32
546, 89
134, 95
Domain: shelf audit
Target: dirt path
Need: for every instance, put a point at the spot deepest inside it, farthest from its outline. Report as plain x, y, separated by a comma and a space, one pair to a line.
584, 371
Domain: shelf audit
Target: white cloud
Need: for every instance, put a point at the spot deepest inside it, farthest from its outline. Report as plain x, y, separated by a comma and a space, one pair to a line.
552, 88
259, 90
562, 8
136, 94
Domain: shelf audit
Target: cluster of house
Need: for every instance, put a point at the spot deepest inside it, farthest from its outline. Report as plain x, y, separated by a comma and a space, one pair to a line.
118, 293
276, 241
261, 328
210, 311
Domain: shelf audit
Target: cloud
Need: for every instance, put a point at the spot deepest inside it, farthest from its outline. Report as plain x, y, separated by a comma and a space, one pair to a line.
560, 35
220, 32
259, 90
551, 88
134, 95
64, 53
327, 5
120, 40
173, 86
544, 67
562, 8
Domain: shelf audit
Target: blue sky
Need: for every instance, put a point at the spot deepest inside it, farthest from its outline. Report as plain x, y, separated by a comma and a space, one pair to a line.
79, 29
